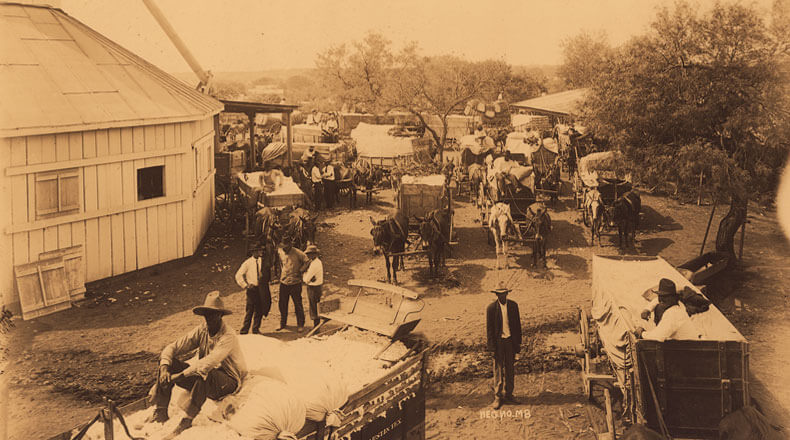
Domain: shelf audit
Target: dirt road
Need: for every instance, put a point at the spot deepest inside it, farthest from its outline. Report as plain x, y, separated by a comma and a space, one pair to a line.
109, 344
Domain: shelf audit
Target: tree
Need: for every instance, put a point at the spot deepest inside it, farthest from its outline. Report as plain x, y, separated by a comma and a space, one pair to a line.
701, 93
229, 89
583, 58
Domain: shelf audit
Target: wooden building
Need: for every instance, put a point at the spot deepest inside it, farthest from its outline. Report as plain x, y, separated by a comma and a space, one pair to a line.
560, 107
106, 162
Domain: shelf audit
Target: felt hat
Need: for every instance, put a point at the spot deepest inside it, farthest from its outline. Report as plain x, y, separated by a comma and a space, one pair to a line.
311, 249
213, 303
501, 288
666, 287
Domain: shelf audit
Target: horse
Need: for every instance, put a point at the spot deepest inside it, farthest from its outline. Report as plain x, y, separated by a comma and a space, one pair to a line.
301, 227
594, 210
435, 235
500, 223
477, 175
539, 229
626, 216
390, 235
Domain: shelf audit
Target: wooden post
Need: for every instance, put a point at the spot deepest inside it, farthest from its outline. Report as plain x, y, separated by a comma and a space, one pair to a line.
289, 137
699, 197
107, 416
253, 161
707, 229
609, 415
743, 235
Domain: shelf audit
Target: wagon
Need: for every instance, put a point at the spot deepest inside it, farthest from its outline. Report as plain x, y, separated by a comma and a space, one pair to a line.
227, 165
681, 388
417, 196
543, 159
597, 171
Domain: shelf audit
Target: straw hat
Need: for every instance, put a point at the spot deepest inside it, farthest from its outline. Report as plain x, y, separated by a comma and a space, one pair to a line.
213, 303
501, 288
311, 249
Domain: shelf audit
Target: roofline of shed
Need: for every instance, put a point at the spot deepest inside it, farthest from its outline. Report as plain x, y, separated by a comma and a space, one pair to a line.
256, 107
537, 109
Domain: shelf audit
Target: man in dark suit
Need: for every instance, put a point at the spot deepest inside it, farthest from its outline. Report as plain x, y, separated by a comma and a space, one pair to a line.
503, 325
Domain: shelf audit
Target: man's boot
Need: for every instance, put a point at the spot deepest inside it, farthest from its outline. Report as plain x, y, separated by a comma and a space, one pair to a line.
512, 399
497, 403
159, 416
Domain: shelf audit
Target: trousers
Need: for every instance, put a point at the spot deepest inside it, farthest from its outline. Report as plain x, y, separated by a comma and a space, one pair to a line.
293, 291
313, 298
215, 386
259, 303
504, 371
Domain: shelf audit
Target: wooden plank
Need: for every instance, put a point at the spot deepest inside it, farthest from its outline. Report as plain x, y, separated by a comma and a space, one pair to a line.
170, 176
189, 227
64, 236
102, 187
48, 150
88, 144
170, 136
141, 237
178, 174
116, 184
45, 167
35, 243
150, 135
62, 147
78, 234
171, 243
105, 247
91, 185
159, 136
102, 143
127, 140
19, 207
92, 267
21, 250
178, 142
75, 145
162, 228
138, 139
129, 182
117, 239
129, 242
34, 149
114, 136
180, 229
186, 134
18, 151
50, 238
153, 235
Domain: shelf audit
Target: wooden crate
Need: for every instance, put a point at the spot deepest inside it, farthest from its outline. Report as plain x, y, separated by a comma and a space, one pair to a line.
279, 200
417, 200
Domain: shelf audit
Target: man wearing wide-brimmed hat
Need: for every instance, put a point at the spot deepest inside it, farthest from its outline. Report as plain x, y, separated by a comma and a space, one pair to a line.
672, 321
503, 326
219, 370
313, 279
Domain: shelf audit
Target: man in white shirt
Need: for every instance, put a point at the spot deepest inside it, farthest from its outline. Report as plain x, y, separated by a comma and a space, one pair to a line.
251, 276
313, 279
329, 184
318, 183
672, 321
503, 328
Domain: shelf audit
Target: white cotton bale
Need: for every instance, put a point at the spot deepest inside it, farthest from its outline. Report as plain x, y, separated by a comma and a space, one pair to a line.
269, 410
260, 350
323, 392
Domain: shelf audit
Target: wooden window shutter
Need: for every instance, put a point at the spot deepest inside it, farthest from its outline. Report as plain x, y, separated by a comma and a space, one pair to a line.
47, 194
42, 287
69, 191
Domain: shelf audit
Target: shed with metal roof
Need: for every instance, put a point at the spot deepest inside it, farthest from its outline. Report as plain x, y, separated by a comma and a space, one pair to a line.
559, 107
106, 161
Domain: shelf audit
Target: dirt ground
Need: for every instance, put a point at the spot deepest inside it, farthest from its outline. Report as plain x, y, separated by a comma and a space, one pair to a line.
108, 345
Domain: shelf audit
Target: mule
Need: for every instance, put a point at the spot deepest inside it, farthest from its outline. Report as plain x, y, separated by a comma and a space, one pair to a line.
594, 211
301, 227
389, 236
435, 235
477, 176
626, 217
500, 224
539, 229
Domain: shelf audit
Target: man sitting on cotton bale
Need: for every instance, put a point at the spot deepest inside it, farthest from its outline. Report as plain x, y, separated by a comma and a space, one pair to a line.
672, 321
218, 371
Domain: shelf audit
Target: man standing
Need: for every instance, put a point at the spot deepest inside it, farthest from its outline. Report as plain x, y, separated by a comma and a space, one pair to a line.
329, 185
503, 325
313, 278
672, 321
292, 262
219, 370
318, 184
253, 275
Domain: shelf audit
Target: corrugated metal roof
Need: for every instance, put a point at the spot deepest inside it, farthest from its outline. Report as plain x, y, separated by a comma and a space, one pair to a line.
566, 102
59, 75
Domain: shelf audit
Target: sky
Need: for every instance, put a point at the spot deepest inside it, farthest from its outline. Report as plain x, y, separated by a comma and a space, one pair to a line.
248, 35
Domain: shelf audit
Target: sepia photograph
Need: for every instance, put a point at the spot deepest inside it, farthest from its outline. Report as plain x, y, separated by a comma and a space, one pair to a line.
394, 220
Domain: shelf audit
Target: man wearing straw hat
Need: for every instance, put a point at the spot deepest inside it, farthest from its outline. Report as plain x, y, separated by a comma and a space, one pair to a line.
503, 326
218, 371
672, 321
313, 279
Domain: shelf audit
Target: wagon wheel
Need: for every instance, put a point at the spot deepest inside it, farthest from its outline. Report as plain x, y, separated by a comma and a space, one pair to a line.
584, 335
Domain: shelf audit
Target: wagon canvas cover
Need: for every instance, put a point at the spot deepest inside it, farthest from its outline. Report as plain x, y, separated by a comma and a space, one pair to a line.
618, 285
